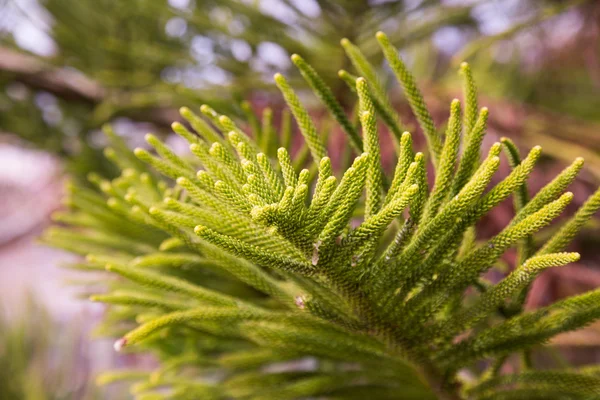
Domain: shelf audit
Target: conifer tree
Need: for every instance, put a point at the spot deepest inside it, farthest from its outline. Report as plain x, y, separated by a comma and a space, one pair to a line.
251, 278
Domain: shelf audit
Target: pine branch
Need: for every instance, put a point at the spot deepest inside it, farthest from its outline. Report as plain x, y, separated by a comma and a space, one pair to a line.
230, 261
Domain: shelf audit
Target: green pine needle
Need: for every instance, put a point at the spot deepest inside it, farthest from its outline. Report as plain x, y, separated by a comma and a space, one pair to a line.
233, 259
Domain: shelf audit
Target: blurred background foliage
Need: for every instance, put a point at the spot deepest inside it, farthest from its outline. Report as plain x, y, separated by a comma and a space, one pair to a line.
67, 67
41, 360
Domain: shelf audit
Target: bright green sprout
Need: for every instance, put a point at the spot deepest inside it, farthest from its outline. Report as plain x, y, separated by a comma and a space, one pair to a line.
252, 278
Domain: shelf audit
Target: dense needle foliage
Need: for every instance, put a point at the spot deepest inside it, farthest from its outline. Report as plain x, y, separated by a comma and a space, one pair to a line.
250, 278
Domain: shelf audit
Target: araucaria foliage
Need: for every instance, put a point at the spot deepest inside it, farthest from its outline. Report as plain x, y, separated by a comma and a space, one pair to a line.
250, 279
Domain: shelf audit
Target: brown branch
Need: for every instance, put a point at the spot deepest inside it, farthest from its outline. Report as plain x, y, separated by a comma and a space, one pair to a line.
64, 83
71, 85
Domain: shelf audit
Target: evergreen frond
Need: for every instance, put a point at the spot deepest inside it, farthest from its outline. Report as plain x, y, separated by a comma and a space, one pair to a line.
233, 260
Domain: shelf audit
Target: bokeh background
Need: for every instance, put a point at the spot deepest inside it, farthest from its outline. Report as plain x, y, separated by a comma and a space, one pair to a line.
69, 66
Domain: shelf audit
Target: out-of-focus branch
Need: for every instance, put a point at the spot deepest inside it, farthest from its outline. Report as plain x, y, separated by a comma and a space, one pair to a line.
65, 83
71, 85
